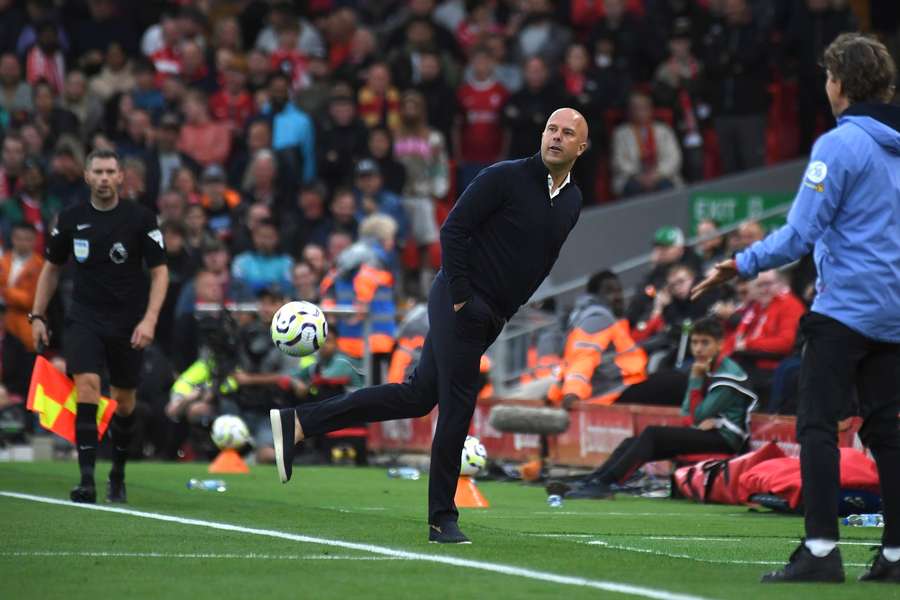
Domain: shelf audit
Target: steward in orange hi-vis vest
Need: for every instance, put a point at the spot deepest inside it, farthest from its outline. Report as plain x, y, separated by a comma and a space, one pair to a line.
362, 280
600, 359
410, 339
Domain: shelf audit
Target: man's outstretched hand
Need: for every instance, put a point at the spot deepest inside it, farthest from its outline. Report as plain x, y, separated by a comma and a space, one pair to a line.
724, 272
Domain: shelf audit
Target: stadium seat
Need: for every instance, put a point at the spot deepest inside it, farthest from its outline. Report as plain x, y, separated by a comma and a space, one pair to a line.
690, 459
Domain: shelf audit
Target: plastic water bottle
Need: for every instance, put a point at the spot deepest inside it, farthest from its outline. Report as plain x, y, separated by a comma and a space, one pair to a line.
209, 485
411, 473
866, 520
554, 501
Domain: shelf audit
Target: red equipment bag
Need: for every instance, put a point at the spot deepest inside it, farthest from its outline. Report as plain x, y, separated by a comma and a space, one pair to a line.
718, 480
782, 477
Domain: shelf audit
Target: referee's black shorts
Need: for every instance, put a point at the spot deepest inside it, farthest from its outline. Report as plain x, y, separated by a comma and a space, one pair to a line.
88, 349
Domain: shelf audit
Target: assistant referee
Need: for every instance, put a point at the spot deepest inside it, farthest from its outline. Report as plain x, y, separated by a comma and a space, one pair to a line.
848, 209
111, 319
499, 243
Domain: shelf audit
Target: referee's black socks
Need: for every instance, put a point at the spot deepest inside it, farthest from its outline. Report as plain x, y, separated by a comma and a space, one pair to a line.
121, 430
86, 440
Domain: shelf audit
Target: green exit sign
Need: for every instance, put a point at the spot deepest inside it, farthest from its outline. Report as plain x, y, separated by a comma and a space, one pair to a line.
728, 209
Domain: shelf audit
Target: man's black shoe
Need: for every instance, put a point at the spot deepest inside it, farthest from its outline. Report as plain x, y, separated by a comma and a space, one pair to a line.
804, 566
84, 494
448, 533
881, 570
558, 488
589, 489
283, 437
115, 492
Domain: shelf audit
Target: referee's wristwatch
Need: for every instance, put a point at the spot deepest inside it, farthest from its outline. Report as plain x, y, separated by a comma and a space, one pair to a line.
33, 317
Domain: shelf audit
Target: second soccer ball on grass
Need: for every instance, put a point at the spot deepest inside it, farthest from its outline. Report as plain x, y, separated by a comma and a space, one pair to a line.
474, 456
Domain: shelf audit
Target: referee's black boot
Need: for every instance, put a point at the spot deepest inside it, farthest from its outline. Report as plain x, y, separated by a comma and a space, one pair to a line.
881, 570
83, 494
115, 491
446, 533
283, 437
804, 566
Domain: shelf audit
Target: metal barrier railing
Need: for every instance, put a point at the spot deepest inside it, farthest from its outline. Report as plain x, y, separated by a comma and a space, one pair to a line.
643, 260
509, 353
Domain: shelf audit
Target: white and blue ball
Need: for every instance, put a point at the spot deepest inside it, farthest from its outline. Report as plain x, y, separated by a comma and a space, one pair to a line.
229, 431
474, 456
299, 328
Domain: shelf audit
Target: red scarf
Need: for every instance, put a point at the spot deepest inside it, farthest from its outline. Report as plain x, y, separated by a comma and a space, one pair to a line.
646, 144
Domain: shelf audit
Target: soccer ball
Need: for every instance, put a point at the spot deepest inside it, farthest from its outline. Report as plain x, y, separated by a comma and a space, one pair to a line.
474, 456
299, 328
230, 431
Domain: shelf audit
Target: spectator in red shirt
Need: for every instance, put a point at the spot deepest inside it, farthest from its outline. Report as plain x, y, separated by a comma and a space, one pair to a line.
479, 133
233, 104
768, 330
166, 58
45, 60
479, 24
206, 141
288, 58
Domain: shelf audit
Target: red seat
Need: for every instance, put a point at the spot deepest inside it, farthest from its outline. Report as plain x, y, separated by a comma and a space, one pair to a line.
690, 459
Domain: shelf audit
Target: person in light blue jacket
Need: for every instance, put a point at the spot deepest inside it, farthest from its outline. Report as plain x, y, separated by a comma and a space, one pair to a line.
847, 212
293, 132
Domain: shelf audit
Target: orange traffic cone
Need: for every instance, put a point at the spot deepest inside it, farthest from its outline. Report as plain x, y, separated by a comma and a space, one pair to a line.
228, 461
468, 495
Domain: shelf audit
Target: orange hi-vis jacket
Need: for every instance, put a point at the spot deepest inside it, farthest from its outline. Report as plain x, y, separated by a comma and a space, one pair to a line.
543, 359
18, 295
410, 339
601, 358
369, 287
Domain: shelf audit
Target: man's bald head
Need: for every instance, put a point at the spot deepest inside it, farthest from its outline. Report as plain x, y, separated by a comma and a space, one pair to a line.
564, 139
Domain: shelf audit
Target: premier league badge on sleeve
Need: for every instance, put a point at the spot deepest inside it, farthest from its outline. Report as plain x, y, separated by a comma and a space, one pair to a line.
81, 249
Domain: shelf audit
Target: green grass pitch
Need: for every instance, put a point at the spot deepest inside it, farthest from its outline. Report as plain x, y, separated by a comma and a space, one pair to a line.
665, 547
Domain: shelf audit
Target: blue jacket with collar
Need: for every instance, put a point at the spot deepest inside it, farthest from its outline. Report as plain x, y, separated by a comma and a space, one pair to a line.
848, 211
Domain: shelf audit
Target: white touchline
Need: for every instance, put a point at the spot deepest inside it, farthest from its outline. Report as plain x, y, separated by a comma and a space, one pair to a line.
62, 553
609, 586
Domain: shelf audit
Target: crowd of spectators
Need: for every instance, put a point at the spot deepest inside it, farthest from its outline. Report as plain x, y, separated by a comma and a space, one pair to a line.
640, 353
274, 138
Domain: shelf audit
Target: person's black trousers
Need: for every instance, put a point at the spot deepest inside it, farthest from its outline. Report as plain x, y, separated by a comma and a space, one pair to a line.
835, 358
447, 375
657, 442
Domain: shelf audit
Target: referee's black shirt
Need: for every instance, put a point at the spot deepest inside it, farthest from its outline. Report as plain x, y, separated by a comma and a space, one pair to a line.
504, 234
110, 249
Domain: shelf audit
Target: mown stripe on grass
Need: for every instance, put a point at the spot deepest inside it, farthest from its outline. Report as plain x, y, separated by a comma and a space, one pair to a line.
544, 576
718, 561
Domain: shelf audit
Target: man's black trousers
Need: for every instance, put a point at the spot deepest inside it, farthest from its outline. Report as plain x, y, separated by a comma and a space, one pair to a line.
447, 375
835, 359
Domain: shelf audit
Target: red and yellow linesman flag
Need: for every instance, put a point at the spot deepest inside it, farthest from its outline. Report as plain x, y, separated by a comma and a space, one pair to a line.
52, 395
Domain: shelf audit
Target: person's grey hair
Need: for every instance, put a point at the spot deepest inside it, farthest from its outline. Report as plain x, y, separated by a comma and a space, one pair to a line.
380, 227
262, 153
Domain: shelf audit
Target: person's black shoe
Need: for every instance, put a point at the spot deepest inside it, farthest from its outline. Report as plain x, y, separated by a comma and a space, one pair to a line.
115, 491
83, 494
881, 570
283, 436
447, 533
589, 489
804, 566
558, 488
